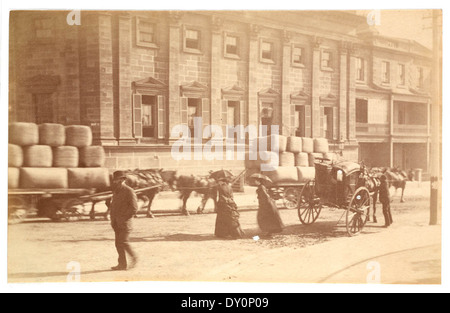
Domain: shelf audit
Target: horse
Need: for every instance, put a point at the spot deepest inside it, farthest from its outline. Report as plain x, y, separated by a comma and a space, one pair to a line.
142, 178
186, 184
395, 177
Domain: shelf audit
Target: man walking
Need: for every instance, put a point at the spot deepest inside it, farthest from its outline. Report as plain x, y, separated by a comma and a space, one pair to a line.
123, 207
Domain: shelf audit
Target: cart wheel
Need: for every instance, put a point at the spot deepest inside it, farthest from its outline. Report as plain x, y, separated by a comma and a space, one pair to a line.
291, 197
358, 211
72, 209
17, 210
309, 206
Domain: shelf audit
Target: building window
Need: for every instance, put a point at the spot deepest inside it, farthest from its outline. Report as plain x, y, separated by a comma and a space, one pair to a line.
267, 115
193, 111
267, 52
362, 111
385, 72
231, 46
149, 117
43, 28
298, 56
145, 33
328, 122
192, 40
401, 74
360, 69
327, 60
233, 113
299, 121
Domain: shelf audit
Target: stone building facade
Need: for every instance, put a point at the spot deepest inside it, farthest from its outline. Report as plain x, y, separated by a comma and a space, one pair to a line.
132, 76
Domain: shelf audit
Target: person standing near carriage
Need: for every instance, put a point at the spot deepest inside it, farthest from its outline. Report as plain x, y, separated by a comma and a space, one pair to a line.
227, 220
385, 200
123, 208
268, 217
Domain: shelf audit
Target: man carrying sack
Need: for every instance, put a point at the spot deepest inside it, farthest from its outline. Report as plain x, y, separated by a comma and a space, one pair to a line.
123, 207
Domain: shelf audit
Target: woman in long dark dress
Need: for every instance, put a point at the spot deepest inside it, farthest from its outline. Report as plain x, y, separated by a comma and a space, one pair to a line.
227, 220
268, 217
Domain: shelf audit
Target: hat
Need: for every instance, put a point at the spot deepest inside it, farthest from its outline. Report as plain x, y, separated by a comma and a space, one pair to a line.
119, 175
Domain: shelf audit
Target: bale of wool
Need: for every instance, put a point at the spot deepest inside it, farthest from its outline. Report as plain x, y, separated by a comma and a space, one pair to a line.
78, 135
92, 156
44, 178
37, 156
331, 156
294, 144
306, 173
15, 155
313, 156
88, 178
52, 134
279, 141
23, 134
13, 177
268, 158
321, 145
285, 174
307, 144
287, 159
301, 159
65, 156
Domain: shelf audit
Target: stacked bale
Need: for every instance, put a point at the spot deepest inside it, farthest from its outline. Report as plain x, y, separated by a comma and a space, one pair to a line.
296, 158
51, 155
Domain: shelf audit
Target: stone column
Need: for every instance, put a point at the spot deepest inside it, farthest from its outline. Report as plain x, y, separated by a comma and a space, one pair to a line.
343, 87
351, 96
253, 59
96, 78
315, 87
174, 60
286, 126
216, 44
123, 81
106, 79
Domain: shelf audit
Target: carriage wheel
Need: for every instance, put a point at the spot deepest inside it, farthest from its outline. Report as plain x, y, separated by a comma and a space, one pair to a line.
72, 209
291, 198
309, 205
17, 210
358, 211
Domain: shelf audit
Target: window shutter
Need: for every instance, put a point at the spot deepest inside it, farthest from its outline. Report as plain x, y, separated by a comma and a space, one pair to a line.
137, 116
322, 116
225, 117
161, 117
307, 121
205, 115
335, 123
184, 110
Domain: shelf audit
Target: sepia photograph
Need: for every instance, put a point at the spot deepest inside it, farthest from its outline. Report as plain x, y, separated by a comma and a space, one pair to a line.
288, 146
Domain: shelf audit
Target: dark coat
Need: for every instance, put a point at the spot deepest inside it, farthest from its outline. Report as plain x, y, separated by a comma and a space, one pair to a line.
384, 192
123, 206
268, 217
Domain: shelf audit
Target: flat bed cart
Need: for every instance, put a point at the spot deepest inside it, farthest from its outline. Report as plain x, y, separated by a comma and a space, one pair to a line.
59, 204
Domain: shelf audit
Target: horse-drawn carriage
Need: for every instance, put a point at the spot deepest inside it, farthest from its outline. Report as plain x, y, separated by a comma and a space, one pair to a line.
339, 185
